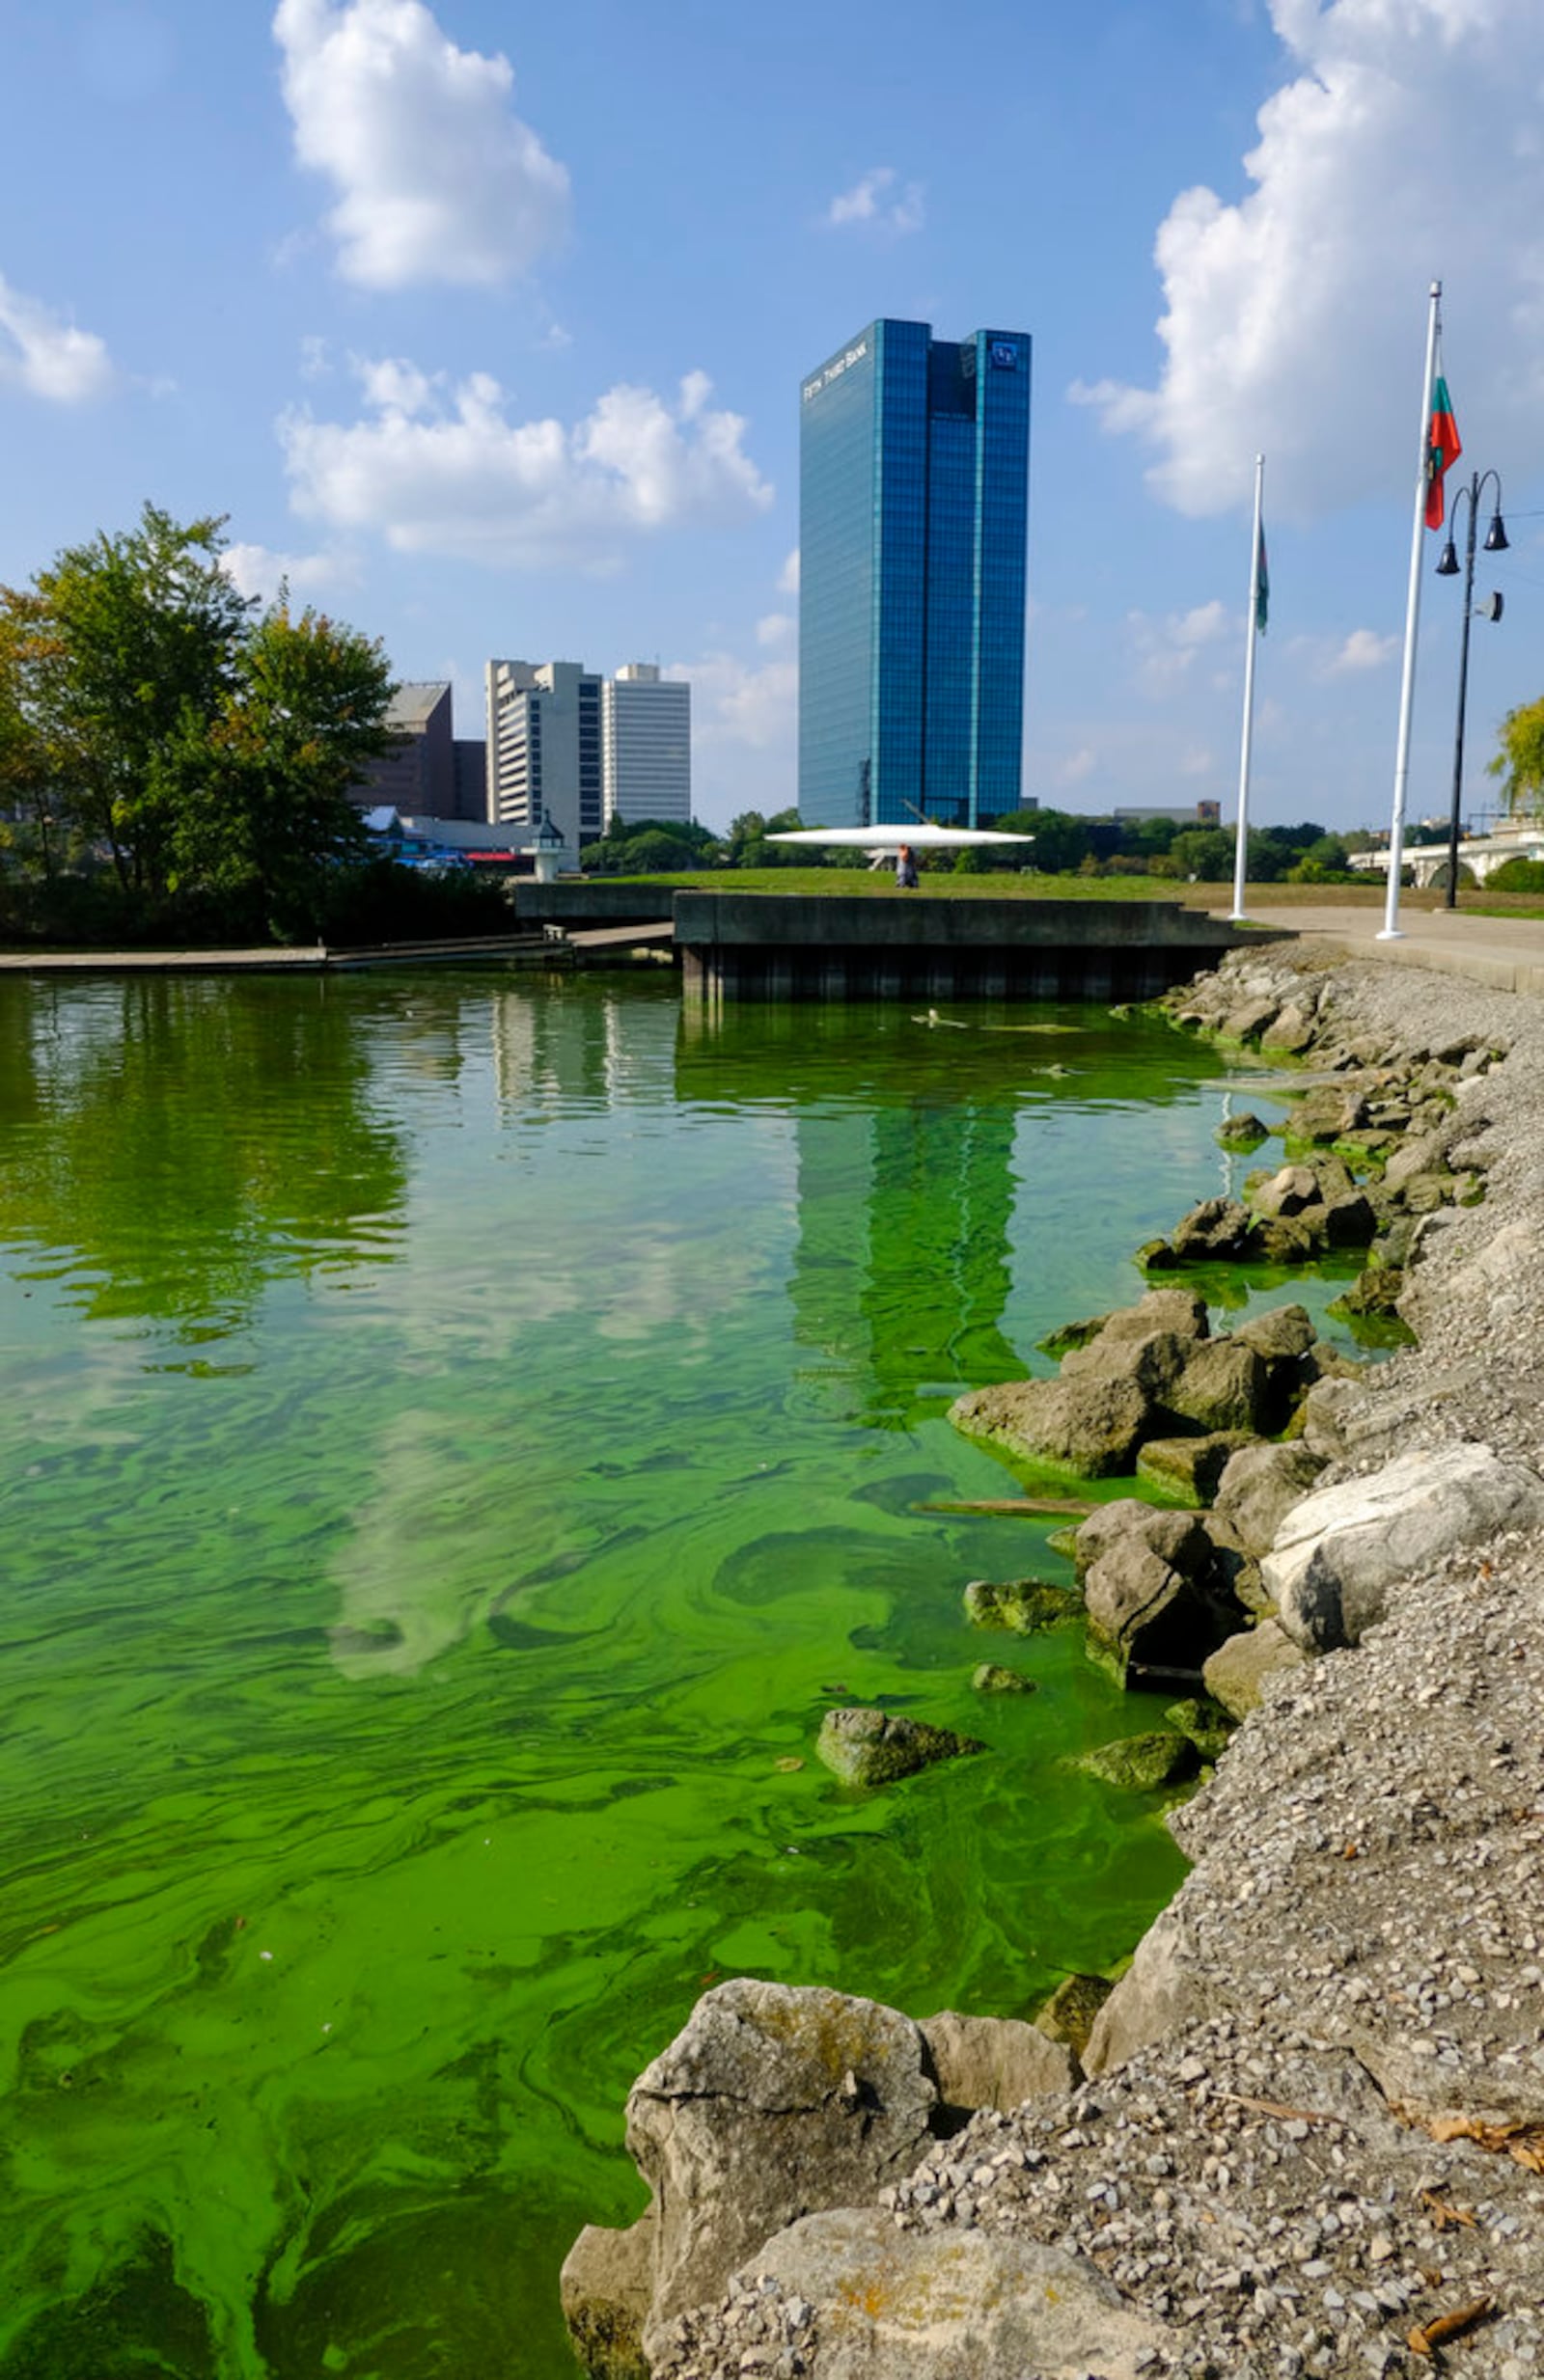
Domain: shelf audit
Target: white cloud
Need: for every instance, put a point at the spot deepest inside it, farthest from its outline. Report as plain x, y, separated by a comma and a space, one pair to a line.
777, 628
788, 575
47, 356
1076, 766
881, 199
1167, 648
258, 570
1404, 147
438, 181
1363, 649
736, 701
439, 468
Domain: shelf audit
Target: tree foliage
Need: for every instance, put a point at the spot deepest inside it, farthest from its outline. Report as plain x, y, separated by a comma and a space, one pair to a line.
153, 721
1519, 761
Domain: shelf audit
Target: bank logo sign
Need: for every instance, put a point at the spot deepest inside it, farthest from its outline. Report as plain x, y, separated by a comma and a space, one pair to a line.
1005, 354
834, 368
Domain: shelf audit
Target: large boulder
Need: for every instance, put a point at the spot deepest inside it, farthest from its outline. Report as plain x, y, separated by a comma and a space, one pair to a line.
995, 2061
854, 2299
1287, 1191
1236, 1674
1190, 1466
1092, 1424
1224, 1386
1341, 1554
1278, 1334
1151, 1605
1216, 1231
770, 2104
876, 1747
1260, 1486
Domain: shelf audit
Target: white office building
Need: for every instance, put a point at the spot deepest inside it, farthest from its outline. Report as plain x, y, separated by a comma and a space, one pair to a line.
646, 745
579, 749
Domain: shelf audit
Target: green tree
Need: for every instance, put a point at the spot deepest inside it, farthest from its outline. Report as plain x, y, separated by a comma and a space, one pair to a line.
253, 802
1519, 761
1206, 853
145, 628
1061, 840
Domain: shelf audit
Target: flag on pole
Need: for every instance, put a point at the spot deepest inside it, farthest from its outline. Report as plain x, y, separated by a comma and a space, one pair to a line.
1443, 446
1262, 583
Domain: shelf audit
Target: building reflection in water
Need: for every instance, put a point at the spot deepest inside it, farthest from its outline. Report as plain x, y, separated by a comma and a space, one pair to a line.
902, 1264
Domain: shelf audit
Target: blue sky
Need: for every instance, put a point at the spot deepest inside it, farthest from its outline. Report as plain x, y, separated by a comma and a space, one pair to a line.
489, 325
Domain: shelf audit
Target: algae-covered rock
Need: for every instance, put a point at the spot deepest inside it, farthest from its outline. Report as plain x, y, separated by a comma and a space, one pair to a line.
771, 2102
991, 1677
1022, 1604
1190, 1466
606, 2286
1224, 1386
1241, 1132
1204, 1721
1141, 1764
1093, 1424
1070, 2014
876, 1747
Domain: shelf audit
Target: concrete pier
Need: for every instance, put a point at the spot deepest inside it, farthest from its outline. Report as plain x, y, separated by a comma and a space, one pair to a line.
774, 946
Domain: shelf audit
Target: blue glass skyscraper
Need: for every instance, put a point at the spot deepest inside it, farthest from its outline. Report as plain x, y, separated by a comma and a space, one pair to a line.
914, 485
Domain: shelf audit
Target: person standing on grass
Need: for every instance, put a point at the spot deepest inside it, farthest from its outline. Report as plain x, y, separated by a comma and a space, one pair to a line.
906, 869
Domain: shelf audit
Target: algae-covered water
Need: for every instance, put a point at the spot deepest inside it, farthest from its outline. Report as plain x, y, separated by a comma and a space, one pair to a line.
457, 1435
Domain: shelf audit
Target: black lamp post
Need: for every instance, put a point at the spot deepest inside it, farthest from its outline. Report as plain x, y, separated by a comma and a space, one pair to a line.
1495, 542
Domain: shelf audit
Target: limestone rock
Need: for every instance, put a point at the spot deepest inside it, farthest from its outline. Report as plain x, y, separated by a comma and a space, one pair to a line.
1175, 1535
1094, 1424
1341, 1555
1260, 1486
1291, 1032
1190, 1466
1241, 1132
1163, 1988
606, 2286
876, 1747
1280, 1334
1141, 1764
1287, 1191
770, 2104
994, 2061
1236, 1674
895, 2304
1222, 1388
1217, 1229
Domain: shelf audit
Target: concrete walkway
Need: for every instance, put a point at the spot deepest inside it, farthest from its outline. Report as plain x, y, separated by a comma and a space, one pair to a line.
1507, 953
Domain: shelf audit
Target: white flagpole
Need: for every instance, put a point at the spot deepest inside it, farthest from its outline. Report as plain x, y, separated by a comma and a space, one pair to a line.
1407, 689
1240, 847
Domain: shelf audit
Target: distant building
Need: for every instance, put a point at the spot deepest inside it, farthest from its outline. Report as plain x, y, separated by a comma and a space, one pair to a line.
429, 771
581, 749
646, 745
914, 478
1194, 814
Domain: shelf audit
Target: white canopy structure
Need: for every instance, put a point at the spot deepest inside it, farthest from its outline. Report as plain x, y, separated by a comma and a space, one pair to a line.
920, 838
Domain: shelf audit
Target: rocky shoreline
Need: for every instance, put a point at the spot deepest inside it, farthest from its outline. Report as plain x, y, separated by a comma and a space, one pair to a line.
1306, 2135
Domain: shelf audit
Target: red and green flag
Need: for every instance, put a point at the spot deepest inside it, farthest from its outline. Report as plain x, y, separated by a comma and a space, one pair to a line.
1443, 447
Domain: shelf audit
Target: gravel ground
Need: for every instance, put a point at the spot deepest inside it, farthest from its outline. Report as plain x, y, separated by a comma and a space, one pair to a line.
1338, 2140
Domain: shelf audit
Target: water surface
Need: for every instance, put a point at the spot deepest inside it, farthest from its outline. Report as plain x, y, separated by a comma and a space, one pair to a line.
459, 1434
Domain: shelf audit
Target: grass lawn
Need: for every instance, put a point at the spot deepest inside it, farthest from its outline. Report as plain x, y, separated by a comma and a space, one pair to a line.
1025, 885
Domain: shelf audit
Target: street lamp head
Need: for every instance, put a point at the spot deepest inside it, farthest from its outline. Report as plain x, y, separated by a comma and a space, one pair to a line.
1496, 539
1448, 566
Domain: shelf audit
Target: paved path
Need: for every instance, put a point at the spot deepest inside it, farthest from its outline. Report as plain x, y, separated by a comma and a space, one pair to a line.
1505, 952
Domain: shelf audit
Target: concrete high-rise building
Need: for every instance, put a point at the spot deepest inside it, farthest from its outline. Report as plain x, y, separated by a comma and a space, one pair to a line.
913, 498
646, 745
543, 741
582, 750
